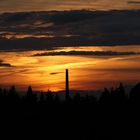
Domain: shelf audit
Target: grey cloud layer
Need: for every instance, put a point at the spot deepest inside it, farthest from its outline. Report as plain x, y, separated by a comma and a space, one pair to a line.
71, 28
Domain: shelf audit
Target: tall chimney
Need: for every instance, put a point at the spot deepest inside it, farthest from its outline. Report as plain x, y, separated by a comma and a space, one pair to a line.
67, 83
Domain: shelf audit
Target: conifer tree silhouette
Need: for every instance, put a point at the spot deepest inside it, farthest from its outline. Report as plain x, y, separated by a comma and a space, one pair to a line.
104, 99
121, 94
31, 97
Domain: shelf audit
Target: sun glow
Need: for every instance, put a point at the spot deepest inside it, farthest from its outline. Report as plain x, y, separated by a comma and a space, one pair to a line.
86, 72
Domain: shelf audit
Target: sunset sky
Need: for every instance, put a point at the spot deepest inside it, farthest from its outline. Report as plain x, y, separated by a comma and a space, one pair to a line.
43, 5
100, 45
64, 61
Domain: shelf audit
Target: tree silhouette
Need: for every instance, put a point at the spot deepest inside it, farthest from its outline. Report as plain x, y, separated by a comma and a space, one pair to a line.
31, 97
135, 94
105, 97
109, 117
121, 94
12, 95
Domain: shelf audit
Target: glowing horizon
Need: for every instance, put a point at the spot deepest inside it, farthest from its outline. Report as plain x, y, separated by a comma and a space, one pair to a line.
86, 72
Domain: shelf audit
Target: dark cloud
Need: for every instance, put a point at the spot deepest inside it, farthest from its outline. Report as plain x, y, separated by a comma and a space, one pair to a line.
85, 53
69, 28
3, 64
55, 73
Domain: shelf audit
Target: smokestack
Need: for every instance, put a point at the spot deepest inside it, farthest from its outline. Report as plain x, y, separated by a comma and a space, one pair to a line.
67, 83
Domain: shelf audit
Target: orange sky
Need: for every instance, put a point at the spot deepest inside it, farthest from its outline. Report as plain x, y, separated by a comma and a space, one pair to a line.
86, 72
41, 5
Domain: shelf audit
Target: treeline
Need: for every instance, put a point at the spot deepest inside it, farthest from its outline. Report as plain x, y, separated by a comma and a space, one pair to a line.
115, 115
108, 96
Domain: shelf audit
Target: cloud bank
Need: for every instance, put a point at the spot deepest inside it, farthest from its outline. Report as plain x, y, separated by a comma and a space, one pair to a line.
86, 53
46, 30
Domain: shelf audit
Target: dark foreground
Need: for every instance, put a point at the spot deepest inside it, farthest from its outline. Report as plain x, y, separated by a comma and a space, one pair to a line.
114, 116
